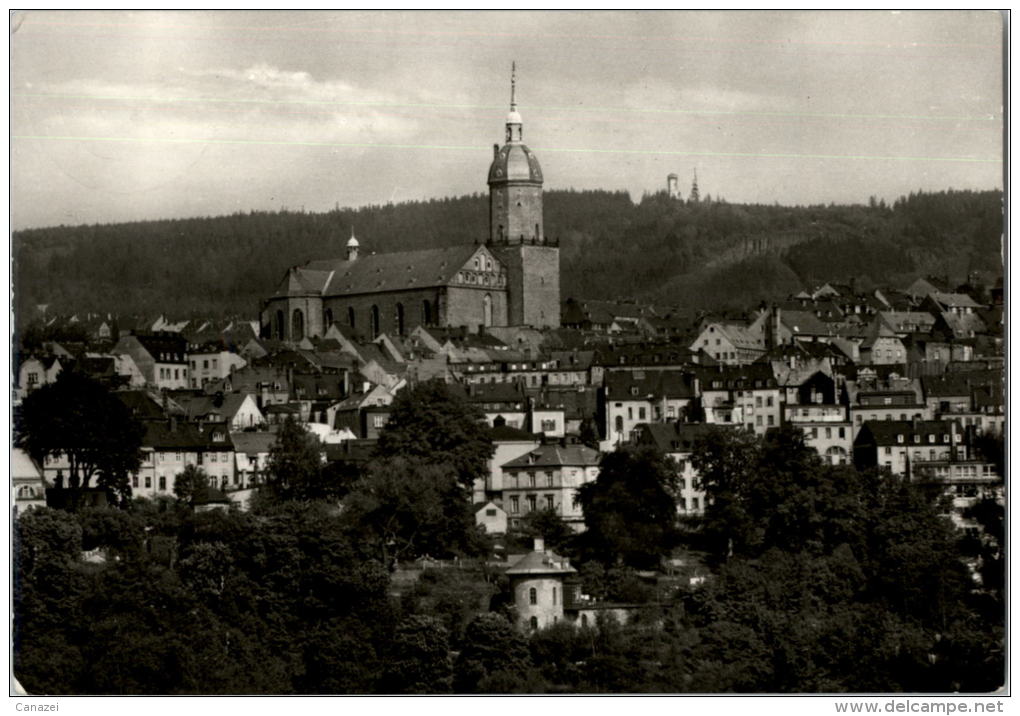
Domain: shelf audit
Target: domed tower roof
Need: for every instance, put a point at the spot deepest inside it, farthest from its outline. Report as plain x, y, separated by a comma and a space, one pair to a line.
514, 162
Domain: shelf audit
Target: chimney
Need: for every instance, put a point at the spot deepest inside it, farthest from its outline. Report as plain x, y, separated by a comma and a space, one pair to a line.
539, 544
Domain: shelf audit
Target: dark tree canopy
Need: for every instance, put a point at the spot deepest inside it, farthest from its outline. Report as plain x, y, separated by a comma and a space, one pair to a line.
295, 467
409, 509
430, 424
630, 509
80, 418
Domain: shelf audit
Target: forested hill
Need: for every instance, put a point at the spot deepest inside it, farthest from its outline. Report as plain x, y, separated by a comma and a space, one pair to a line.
706, 255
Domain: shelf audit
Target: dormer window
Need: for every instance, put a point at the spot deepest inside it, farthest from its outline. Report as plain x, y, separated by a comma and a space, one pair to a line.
899, 438
917, 439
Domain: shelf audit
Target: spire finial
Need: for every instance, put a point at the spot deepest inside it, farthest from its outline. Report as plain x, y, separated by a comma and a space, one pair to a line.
513, 85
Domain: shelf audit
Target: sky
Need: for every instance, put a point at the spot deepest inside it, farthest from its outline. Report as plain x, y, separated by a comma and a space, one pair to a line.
119, 116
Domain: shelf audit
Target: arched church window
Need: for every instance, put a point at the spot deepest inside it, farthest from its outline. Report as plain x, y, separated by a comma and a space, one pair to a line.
350, 316
400, 319
487, 310
327, 319
297, 325
537, 232
279, 325
373, 321
426, 313
533, 596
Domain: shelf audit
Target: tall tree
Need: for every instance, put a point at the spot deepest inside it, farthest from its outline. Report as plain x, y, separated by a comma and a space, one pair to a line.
432, 425
409, 509
630, 509
295, 464
80, 418
191, 486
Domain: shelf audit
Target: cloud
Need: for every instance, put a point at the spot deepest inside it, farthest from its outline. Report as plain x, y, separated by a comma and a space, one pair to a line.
260, 103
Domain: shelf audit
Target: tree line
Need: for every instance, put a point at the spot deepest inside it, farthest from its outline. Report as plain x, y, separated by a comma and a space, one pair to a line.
225, 265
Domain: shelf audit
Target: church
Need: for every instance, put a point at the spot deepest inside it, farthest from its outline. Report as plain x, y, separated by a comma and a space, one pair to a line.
513, 279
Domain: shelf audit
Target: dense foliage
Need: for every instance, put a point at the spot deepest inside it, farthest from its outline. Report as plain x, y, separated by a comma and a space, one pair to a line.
824, 579
79, 419
709, 255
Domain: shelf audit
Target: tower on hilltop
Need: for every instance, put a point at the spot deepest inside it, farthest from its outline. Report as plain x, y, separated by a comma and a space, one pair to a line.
671, 186
516, 229
695, 197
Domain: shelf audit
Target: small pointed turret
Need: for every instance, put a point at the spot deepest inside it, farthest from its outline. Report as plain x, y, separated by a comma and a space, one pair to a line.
352, 247
695, 198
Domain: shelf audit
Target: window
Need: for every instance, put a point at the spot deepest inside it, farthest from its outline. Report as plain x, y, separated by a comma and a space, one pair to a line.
554, 596
900, 439
214, 457
548, 426
162, 482
532, 596
532, 502
641, 414
134, 481
771, 420
373, 321
550, 503
491, 512
515, 505
531, 479
695, 503
205, 364
534, 623
148, 482
630, 413
828, 432
548, 479
842, 432
888, 451
33, 378
379, 421
757, 401
757, 420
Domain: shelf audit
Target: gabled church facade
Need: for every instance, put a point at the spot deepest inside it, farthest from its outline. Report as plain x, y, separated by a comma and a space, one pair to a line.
511, 280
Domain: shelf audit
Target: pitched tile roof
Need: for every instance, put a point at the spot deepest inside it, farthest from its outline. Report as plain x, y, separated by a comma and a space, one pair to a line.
377, 272
253, 443
644, 383
555, 455
887, 432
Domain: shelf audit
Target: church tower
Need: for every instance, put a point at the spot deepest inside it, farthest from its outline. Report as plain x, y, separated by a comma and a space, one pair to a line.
516, 229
